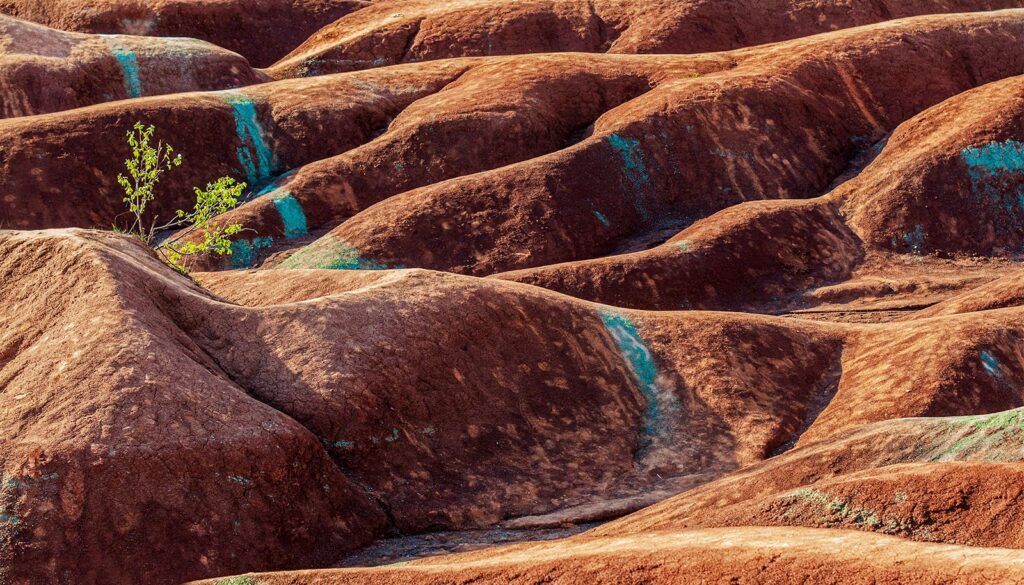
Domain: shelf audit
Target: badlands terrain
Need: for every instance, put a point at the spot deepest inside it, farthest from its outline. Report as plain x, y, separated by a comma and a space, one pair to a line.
530, 291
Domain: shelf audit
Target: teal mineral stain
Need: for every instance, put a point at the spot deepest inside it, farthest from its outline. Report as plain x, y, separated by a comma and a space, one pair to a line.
129, 66
634, 168
915, 240
245, 252
346, 445
995, 156
276, 184
255, 155
332, 254
6, 518
989, 166
641, 363
601, 218
393, 437
239, 480
991, 363
292, 216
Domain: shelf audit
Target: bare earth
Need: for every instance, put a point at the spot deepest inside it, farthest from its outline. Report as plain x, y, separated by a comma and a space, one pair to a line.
546, 291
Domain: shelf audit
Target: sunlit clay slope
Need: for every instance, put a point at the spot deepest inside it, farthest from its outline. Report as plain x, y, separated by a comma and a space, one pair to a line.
402, 31
261, 30
756, 555
947, 184
44, 70
450, 403
573, 157
613, 284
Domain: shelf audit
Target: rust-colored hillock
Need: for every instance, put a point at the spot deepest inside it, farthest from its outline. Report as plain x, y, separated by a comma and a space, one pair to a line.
617, 273
261, 30
403, 31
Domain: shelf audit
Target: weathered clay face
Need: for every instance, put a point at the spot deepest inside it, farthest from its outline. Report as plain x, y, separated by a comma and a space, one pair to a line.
516, 267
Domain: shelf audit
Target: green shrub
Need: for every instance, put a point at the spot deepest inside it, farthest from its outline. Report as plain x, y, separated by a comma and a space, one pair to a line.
204, 235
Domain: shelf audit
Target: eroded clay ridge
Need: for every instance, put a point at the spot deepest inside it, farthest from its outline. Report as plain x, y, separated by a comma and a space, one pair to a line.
776, 555
783, 122
951, 480
947, 183
261, 30
402, 31
158, 428
43, 70
136, 400
649, 144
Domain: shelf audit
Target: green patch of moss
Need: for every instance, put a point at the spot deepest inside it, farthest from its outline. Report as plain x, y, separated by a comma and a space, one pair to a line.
986, 435
238, 580
836, 508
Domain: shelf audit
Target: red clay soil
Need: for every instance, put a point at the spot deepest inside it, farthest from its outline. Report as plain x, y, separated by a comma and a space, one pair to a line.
302, 444
927, 480
737, 555
629, 166
929, 193
521, 208
261, 30
158, 428
252, 134
997, 294
405, 31
44, 70
949, 480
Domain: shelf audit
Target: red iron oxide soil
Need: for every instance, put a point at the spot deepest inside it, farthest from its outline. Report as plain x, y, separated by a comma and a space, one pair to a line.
666, 141
546, 403
745, 555
855, 198
402, 31
43, 70
514, 185
261, 30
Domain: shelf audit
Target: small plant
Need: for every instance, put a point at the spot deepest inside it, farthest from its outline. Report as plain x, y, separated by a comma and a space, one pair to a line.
144, 169
218, 197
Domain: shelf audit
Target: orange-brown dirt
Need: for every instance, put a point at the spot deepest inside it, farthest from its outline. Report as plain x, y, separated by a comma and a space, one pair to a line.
44, 70
261, 30
388, 33
517, 271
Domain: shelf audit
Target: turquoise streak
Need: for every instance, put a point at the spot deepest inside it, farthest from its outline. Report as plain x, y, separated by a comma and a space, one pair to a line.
996, 156
993, 167
635, 169
245, 252
292, 216
991, 363
129, 66
255, 154
641, 362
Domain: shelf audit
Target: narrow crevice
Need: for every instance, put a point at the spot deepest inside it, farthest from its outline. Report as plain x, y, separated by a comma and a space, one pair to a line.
858, 162
410, 41
579, 134
606, 35
819, 401
367, 490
